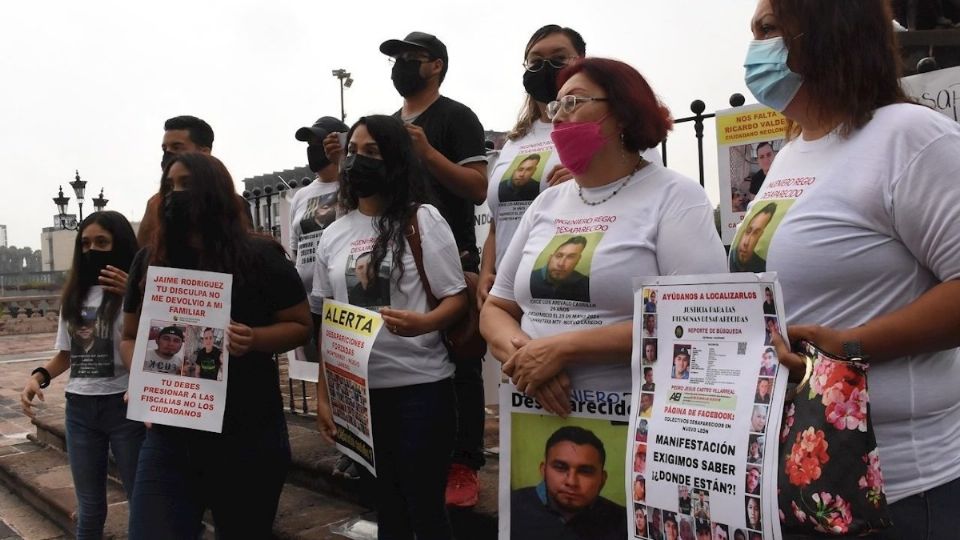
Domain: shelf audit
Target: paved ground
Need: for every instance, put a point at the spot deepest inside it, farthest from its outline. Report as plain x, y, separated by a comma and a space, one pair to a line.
19, 355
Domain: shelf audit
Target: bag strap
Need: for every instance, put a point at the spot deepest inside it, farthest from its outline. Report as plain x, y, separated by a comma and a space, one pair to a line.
416, 249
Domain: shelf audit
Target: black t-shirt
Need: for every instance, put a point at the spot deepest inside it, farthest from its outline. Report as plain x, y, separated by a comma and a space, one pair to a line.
208, 363
455, 131
270, 285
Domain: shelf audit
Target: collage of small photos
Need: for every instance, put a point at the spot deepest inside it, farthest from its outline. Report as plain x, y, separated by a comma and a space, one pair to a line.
348, 398
693, 520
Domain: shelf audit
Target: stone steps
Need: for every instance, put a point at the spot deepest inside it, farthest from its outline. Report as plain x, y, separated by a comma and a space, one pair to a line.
312, 500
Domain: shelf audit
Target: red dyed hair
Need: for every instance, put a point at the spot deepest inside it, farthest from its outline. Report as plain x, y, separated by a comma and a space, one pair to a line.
645, 119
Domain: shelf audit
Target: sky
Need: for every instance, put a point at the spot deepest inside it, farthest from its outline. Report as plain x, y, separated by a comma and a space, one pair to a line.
87, 85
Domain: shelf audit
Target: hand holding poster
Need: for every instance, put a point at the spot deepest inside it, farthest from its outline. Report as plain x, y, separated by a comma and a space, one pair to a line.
707, 395
347, 335
178, 375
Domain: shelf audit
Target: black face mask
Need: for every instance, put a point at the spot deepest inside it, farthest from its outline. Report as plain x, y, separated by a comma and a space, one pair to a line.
166, 159
365, 176
316, 158
542, 85
406, 77
91, 263
177, 225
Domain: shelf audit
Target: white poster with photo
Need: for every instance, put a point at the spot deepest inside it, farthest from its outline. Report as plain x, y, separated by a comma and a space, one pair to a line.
542, 453
346, 337
938, 90
178, 376
707, 396
748, 139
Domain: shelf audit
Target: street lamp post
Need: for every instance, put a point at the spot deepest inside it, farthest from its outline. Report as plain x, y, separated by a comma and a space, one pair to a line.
79, 190
345, 82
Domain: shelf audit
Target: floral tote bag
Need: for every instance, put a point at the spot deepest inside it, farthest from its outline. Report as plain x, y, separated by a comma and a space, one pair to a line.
830, 482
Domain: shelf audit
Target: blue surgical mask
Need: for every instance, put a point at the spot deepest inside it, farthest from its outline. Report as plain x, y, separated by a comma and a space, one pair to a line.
767, 75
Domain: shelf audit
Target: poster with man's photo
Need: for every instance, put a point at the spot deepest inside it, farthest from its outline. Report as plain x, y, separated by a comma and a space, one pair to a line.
178, 376
748, 139
707, 390
559, 477
346, 337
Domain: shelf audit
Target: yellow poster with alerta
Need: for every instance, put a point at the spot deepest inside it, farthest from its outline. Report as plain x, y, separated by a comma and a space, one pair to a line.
748, 139
346, 337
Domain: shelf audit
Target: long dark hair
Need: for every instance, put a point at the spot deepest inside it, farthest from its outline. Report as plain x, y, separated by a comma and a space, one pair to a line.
216, 217
124, 248
405, 188
846, 53
530, 112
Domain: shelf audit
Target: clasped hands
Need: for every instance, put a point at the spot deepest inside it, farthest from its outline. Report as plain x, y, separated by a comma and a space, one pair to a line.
536, 368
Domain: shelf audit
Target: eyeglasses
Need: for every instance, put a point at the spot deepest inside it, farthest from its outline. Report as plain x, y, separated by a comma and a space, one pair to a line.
567, 104
536, 64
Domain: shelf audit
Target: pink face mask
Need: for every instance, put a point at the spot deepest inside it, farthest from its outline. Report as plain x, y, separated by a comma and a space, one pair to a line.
577, 143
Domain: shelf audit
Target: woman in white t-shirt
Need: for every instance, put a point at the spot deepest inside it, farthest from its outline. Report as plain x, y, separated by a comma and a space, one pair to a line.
364, 258
866, 239
528, 162
88, 340
559, 314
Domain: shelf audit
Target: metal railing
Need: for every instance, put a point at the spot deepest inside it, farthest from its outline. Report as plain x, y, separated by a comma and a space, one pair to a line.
697, 107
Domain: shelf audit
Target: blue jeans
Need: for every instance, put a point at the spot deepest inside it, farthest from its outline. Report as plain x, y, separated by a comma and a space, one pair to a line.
183, 472
931, 515
94, 424
413, 432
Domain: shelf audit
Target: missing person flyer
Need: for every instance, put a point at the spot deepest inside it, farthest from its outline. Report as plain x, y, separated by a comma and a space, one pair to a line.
707, 400
346, 337
178, 376
748, 139
559, 477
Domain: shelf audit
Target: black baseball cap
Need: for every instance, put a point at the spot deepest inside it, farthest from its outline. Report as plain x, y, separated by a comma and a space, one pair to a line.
171, 330
416, 41
320, 129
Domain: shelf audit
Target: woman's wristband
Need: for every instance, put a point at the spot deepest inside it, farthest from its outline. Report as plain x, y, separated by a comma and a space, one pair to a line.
46, 376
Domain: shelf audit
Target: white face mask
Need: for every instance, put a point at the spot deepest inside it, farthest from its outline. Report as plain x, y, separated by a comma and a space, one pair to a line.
767, 75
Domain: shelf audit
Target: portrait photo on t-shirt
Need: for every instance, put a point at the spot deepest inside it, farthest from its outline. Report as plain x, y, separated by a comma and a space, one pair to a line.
562, 270
319, 213
748, 253
521, 181
91, 345
365, 287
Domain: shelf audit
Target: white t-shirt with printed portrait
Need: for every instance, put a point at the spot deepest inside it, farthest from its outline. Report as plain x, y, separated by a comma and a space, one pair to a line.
95, 368
394, 360
659, 223
869, 223
312, 209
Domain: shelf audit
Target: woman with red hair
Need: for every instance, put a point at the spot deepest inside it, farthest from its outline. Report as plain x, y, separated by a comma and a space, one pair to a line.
559, 314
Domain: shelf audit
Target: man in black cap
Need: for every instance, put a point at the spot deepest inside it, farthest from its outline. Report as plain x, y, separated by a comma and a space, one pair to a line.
314, 207
449, 139
164, 358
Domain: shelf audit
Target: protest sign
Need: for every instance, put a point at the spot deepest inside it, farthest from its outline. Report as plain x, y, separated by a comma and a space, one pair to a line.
346, 337
938, 90
707, 398
178, 375
748, 139
538, 451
